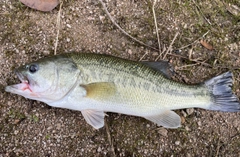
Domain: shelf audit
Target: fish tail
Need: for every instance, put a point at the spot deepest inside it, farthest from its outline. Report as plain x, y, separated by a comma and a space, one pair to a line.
221, 93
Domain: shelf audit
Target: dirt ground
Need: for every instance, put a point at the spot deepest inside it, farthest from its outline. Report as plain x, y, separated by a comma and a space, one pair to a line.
31, 128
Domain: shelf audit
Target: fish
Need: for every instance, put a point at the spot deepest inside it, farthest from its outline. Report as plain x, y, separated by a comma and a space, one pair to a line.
95, 84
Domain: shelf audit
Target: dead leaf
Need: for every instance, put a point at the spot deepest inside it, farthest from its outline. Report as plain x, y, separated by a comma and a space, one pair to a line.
206, 45
183, 120
42, 5
16, 121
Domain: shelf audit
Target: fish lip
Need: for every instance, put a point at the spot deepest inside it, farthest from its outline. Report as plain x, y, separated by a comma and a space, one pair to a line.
21, 77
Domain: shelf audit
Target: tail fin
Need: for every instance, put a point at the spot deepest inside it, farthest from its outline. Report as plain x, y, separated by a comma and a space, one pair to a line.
222, 97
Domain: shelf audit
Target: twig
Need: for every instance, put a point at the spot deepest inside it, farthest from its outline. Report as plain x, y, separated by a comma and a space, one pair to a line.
156, 26
193, 60
58, 27
163, 51
184, 66
143, 56
194, 41
109, 139
218, 148
170, 46
190, 53
123, 31
196, 63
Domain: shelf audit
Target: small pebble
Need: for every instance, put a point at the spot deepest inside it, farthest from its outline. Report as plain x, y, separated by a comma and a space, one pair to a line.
16, 132
129, 51
9, 103
184, 113
58, 126
99, 149
199, 123
162, 131
69, 26
190, 111
177, 142
46, 52
187, 128
102, 18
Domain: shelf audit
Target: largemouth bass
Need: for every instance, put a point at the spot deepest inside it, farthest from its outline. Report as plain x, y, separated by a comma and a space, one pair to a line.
94, 84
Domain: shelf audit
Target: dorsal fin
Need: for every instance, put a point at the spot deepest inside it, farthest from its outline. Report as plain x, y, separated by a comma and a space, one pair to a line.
162, 66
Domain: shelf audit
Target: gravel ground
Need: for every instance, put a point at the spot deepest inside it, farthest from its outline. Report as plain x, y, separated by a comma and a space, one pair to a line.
31, 128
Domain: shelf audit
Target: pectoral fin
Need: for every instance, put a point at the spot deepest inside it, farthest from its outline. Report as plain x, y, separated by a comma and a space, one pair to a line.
94, 118
100, 90
167, 119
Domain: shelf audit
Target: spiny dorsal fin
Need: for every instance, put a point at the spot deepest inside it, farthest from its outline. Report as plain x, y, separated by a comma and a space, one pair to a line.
162, 66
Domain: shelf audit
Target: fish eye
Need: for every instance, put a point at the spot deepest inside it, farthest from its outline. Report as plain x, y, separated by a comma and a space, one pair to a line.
32, 68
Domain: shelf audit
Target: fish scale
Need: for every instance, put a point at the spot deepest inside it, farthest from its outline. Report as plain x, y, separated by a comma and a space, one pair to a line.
145, 75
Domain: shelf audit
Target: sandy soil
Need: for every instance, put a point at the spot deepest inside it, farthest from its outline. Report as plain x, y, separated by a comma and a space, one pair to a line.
31, 128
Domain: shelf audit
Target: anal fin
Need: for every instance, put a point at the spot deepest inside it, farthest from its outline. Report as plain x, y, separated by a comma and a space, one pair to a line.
167, 119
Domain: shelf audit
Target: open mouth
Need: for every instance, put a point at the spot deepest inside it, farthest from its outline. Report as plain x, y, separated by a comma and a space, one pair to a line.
25, 82
22, 78
24, 86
